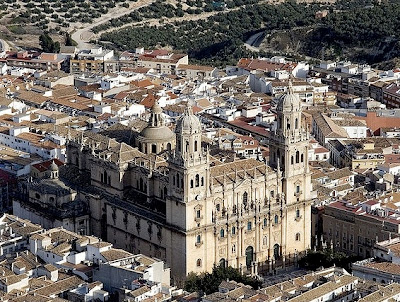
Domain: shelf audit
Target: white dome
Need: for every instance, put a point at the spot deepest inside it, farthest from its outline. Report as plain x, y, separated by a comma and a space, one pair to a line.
188, 123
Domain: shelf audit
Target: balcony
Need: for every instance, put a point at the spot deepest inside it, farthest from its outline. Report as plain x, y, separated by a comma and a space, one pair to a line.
297, 194
298, 218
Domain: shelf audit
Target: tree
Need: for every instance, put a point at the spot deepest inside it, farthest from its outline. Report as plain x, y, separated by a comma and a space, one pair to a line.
47, 43
208, 283
327, 258
69, 41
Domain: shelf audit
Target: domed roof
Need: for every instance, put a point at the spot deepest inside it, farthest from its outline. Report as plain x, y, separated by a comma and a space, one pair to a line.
289, 100
53, 166
156, 129
157, 133
188, 122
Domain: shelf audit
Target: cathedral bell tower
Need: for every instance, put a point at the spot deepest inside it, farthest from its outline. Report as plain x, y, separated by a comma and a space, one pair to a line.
189, 161
189, 174
289, 144
289, 155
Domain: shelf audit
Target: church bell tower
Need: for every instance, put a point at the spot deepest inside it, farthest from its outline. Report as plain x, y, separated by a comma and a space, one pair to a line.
289, 156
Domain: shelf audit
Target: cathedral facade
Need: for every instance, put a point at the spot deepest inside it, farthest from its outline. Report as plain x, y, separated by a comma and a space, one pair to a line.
167, 197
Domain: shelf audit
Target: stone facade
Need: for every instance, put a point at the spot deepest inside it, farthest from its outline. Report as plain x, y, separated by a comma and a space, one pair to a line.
178, 203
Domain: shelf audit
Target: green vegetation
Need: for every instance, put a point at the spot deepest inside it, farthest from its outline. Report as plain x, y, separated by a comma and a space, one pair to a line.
41, 13
208, 283
160, 9
327, 258
219, 39
47, 44
16, 29
359, 30
69, 41
373, 30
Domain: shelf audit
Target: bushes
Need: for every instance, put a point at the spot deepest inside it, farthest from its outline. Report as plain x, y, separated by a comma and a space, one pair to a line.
327, 258
208, 283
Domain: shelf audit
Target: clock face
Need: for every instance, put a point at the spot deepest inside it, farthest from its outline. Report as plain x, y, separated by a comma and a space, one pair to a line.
198, 197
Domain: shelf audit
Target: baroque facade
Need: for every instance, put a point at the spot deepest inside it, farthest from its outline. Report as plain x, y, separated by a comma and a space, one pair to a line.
164, 195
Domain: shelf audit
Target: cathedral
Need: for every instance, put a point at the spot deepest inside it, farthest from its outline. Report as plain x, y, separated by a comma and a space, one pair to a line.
164, 195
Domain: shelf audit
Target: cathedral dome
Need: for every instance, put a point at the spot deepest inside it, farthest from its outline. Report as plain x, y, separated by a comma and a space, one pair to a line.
156, 137
156, 129
188, 122
157, 133
289, 100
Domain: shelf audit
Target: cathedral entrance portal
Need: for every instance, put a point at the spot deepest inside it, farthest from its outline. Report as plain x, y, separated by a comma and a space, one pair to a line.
249, 256
222, 263
276, 251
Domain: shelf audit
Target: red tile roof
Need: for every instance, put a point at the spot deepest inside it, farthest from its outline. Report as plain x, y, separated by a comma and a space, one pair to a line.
375, 122
149, 100
44, 166
257, 64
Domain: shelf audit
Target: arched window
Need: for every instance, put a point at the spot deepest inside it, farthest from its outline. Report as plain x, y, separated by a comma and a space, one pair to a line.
169, 146
302, 158
233, 230
245, 197
297, 236
297, 157
177, 180
198, 263
197, 180
218, 207
287, 124
153, 148
202, 181
105, 176
233, 248
292, 160
187, 146
173, 180
265, 222
276, 219
198, 239
191, 183
296, 123
249, 226
195, 146
222, 233
297, 213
